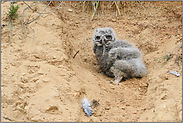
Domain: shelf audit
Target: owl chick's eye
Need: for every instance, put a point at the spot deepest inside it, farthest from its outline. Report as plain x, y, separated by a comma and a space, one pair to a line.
109, 37
97, 37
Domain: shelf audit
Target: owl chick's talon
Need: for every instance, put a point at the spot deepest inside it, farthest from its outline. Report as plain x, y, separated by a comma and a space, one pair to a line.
117, 79
116, 82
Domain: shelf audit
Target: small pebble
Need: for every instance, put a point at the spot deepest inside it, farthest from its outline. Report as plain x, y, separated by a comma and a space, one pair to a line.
140, 90
70, 10
95, 103
45, 80
123, 108
107, 108
113, 20
166, 77
121, 100
75, 94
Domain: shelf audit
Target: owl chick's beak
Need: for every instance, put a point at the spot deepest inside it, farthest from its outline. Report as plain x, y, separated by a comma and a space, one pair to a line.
103, 41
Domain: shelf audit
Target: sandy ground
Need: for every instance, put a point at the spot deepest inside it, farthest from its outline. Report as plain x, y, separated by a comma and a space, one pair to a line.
42, 82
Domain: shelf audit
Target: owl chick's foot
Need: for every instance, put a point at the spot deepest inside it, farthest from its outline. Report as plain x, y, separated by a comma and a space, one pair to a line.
118, 79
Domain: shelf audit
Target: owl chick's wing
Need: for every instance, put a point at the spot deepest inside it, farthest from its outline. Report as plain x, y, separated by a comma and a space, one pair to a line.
124, 53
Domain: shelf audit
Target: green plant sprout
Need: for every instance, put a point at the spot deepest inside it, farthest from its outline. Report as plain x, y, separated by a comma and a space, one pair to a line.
166, 58
12, 15
79, 3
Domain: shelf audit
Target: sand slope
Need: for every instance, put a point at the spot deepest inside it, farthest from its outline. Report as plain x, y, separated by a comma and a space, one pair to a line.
42, 82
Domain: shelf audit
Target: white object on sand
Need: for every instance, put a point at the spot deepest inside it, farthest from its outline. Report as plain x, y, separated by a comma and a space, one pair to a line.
87, 106
175, 73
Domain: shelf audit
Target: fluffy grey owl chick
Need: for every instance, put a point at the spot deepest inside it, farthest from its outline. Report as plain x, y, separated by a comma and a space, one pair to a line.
117, 58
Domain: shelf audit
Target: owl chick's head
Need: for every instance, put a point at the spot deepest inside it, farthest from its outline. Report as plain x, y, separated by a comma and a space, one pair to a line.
103, 36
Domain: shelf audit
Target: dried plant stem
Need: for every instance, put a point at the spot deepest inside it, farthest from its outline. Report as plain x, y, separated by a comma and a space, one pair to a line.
117, 7
24, 24
94, 11
75, 54
7, 118
86, 6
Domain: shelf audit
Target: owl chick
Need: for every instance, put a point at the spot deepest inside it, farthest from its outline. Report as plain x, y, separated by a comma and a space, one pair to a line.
117, 58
